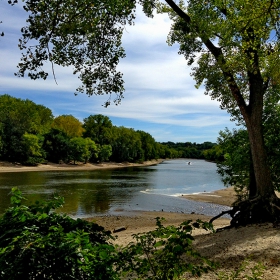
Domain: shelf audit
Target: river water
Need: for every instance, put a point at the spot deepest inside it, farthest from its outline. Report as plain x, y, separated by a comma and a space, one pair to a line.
118, 191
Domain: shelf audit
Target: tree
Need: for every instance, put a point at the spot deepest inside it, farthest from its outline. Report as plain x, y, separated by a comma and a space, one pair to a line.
82, 149
235, 46
236, 163
32, 151
17, 117
236, 168
83, 34
68, 124
127, 145
98, 128
104, 152
56, 145
148, 145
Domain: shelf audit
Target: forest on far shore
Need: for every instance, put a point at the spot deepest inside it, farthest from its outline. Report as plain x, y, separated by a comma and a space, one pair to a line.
30, 134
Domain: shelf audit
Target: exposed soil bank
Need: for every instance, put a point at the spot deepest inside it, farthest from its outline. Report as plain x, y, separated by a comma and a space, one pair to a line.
16, 167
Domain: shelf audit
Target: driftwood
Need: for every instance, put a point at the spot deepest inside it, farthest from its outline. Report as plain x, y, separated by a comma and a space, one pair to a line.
119, 229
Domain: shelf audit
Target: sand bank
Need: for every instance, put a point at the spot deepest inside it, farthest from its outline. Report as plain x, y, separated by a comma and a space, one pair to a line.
17, 167
223, 197
259, 243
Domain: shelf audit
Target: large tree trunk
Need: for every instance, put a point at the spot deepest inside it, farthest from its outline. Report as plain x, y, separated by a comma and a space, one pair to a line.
262, 205
261, 168
253, 118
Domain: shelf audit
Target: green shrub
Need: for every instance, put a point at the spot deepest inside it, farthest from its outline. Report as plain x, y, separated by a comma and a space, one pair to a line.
37, 243
164, 253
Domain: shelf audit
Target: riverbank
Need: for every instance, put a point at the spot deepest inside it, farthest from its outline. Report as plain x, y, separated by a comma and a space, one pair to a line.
223, 197
230, 248
17, 167
143, 221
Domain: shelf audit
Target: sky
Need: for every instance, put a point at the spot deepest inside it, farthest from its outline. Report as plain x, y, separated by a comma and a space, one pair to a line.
160, 97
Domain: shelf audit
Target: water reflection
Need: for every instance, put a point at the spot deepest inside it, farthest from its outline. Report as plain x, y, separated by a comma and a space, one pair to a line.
106, 191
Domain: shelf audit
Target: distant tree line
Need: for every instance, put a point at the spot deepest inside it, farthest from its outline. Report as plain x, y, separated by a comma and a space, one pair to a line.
30, 134
188, 149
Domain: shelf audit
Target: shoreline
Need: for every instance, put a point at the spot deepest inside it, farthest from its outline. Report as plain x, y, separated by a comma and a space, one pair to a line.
226, 196
16, 167
257, 244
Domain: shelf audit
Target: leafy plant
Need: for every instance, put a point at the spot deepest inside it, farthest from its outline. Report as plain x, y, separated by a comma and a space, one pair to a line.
164, 253
256, 272
37, 243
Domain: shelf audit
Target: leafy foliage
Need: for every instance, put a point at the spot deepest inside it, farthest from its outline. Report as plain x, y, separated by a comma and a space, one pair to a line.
98, 128
33, 150
30, 135
256, 272
70, 125
127, 145
84, 34
82, 149
104, 152
164, 253
235, 167
37, 243
18, 117
56, 145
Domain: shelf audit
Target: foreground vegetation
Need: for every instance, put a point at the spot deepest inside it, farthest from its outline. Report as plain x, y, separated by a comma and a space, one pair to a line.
37, 243
30, 134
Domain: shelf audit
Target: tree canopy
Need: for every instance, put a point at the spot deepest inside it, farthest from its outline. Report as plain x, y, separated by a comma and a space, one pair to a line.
29, 134
68, 124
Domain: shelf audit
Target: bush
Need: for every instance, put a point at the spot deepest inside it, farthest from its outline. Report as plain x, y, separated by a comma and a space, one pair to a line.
165, 253
37, 243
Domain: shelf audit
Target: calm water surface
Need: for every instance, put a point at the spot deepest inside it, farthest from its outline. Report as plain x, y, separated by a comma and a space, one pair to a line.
100, 192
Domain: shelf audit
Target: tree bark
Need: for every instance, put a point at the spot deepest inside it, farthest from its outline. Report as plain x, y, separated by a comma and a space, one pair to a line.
253, 119
259, 160
252, 187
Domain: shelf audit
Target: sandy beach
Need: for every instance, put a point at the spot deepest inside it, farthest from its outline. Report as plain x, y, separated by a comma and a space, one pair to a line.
260, 243
230, 248
17, 167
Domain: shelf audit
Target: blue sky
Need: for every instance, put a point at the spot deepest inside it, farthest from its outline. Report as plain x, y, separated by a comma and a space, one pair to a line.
160, 97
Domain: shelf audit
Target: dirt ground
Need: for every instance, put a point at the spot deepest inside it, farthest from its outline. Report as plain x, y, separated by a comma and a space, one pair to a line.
259, 243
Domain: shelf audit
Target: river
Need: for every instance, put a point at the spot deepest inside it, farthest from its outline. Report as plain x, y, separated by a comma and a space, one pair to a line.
111, 191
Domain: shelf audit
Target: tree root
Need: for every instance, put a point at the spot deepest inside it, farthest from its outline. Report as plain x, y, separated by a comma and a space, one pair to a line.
253, 211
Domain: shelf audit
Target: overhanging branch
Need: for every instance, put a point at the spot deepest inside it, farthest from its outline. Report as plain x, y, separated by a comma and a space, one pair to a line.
217, 53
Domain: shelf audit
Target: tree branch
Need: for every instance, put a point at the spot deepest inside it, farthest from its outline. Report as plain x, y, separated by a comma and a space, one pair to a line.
178, 10
217, 53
